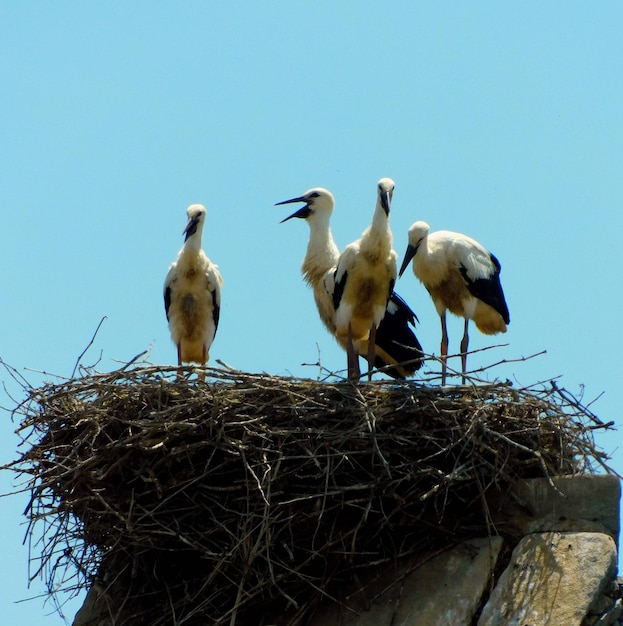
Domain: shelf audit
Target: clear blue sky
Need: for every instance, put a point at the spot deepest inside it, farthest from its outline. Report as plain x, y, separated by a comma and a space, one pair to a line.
503, 121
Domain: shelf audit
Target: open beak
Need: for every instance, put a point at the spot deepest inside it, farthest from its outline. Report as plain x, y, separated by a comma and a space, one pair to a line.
303, 212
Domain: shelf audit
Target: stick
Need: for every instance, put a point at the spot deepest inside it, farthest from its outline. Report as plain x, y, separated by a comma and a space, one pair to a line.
73, 373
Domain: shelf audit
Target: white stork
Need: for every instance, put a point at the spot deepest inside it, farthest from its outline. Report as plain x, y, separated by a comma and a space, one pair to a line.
396, 343
462, 276
364, 281
322, 251
192, 295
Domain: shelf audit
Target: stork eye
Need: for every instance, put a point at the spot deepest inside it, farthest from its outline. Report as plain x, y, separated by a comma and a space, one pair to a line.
315, 195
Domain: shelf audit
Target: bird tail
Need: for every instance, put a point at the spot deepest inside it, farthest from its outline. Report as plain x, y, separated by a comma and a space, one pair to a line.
396, 343
489, 321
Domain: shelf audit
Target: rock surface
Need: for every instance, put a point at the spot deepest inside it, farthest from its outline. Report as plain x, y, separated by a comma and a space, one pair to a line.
450, 588
553, 579
561, 573
447, 589
575, 503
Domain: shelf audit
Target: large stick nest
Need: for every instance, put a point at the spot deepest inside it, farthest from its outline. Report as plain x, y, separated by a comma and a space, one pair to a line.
250, 495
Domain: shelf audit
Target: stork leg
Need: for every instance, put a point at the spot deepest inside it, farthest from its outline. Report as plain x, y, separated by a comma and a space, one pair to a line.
179, 360
352, 358
204, 358
464, 346
371, 350
444, 347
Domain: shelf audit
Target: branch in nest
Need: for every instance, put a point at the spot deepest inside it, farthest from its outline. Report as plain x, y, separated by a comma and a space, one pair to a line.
221, 501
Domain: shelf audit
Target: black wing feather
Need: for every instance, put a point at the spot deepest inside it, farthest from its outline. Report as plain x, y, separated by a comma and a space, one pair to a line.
216, 311
489, 290
167, 301
396, 337
338, 288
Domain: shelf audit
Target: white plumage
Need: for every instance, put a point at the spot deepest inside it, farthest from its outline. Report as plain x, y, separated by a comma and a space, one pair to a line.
192, 295
364, 281
461, 276
396, 343
322, 251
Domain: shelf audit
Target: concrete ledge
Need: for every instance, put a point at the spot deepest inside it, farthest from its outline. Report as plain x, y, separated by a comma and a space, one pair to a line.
583, 503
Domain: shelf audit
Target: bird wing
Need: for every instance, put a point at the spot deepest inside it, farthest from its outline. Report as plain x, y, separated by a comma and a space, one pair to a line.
481, 272
396, 341
329, 286
393, 258
471, 258
216, 310
397, 304
328, 281
168, 285
214, 283
344, 264
338, 288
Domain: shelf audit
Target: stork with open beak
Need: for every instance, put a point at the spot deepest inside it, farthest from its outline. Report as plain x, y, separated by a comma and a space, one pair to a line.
397, 349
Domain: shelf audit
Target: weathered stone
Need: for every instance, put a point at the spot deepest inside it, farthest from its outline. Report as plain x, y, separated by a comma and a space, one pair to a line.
601, 604
449, 588
446, 589
614, 614
552, 579
608, 617
585, 503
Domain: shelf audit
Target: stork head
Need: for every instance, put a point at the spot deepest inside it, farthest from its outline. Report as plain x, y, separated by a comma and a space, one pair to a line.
318, 201
386, 191
196, 216
417, 232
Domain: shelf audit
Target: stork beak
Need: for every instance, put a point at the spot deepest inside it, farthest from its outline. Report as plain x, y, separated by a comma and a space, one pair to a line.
386, 200
303, 212
409, 254
291, 200
191, 227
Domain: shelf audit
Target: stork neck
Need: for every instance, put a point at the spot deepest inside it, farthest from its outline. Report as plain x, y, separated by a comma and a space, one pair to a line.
193, 243
380, 220
322, 252
319, 235
378, 235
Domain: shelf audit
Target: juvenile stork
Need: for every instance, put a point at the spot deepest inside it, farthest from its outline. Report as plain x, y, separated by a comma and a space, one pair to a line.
396, 343
364, 281
192, 295
461, 276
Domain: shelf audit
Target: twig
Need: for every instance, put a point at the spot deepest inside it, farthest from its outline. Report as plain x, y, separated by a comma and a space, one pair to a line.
73, 373
214, 502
